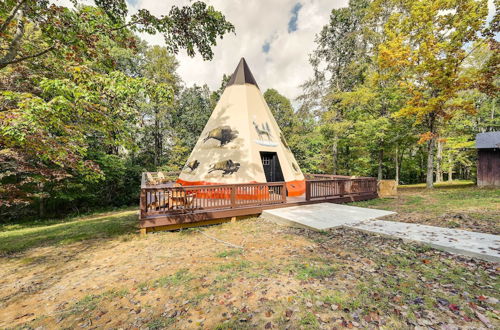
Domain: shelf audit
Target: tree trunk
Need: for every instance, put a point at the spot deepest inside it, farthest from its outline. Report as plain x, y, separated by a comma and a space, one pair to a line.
439, 159
41, 201
335, 155
430, 163
13, 48
380, 163
397, 165
450, 169
157, 134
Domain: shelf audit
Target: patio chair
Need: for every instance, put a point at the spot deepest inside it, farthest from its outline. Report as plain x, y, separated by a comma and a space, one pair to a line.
150, 179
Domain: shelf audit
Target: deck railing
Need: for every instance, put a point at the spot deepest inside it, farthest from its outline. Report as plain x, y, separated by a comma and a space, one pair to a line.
339, 187
162, 199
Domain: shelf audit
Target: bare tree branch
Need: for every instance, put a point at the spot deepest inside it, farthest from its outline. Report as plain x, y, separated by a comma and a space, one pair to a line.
15, 43
20, 59
11, 16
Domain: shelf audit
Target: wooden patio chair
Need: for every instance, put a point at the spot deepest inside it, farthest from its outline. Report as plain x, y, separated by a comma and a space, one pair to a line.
159, 202
180, 199
150, 179
161, 177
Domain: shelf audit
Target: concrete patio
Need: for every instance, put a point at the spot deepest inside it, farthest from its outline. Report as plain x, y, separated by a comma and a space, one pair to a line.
328, 216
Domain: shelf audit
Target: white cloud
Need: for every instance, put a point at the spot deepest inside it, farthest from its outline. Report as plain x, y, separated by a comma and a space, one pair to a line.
286, 64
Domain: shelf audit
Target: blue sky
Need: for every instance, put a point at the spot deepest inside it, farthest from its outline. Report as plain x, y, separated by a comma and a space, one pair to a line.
292, 23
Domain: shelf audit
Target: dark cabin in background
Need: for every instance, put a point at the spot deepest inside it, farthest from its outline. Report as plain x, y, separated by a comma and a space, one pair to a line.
488, 159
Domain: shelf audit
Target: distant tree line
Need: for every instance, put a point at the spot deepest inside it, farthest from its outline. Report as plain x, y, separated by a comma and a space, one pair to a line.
86, 106
400, 88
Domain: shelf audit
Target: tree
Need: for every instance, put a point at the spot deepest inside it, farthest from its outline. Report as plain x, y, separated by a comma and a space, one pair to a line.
341, 52
194, 28
429, 38
160, 67
191, 113
282, 110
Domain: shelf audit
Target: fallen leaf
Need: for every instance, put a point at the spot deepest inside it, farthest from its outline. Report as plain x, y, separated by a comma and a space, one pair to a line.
484, 319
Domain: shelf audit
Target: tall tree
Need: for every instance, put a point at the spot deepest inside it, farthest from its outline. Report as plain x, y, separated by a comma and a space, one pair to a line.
192, 111
431, 38
160, 67
282, 110
338, 63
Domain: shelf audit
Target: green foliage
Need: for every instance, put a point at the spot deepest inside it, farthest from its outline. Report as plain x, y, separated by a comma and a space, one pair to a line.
389, 76
193, 109
75, 33
86, 106
282, 110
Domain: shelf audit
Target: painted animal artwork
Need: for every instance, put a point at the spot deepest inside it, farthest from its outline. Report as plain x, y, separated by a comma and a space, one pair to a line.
223, 134
226, 166
192, 165
295, 167
263, 130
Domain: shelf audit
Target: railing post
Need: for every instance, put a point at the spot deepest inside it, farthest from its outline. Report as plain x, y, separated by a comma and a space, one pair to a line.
233, 196
142, 203
283, 193
308, 190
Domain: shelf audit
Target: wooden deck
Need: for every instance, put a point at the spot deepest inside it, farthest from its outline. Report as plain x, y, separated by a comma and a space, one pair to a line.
165, 207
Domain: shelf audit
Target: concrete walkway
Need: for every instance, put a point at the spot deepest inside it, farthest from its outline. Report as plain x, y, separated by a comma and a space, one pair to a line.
328, 215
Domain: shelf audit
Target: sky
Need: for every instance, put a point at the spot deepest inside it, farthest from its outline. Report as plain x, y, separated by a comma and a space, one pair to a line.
275, 37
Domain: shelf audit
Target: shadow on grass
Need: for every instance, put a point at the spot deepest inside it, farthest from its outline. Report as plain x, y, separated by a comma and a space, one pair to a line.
105, 226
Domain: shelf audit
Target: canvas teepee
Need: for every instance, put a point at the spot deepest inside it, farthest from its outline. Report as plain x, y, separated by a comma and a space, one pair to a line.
241, 142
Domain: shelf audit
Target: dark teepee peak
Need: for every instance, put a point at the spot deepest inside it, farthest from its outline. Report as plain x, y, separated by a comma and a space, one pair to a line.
242, 75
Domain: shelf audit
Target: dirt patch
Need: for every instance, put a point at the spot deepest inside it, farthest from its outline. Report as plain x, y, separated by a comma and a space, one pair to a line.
283, 278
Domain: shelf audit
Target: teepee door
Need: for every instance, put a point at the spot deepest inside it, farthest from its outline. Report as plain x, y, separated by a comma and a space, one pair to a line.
272, 168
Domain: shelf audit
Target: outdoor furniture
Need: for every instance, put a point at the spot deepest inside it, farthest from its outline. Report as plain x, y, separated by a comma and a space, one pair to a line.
150, 180
180, 199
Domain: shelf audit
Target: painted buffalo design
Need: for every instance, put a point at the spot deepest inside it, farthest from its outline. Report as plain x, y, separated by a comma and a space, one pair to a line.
223, 134
226, 166
192, 165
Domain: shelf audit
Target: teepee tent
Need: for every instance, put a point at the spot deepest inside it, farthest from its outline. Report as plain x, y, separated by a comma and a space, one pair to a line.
241, 142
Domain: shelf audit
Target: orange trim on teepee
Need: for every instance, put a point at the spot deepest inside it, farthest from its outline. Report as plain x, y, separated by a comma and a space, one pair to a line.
294, 188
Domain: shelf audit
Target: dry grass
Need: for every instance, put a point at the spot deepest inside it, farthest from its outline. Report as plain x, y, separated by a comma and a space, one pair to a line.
457, 205
283, 278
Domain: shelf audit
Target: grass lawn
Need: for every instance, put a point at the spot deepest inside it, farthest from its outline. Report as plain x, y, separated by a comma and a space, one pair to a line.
19, 237
94, 272
458, 205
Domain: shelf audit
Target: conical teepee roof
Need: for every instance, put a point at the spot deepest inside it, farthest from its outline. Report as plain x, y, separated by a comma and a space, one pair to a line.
242, 75
239, 139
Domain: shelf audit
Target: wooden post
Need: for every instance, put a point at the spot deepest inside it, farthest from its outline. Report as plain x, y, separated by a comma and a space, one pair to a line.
233, 219
142, 203
342, 187
308, 190
142, 231
283, 192
233, 196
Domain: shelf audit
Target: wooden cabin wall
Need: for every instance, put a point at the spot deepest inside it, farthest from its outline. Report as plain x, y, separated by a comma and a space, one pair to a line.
488, 167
